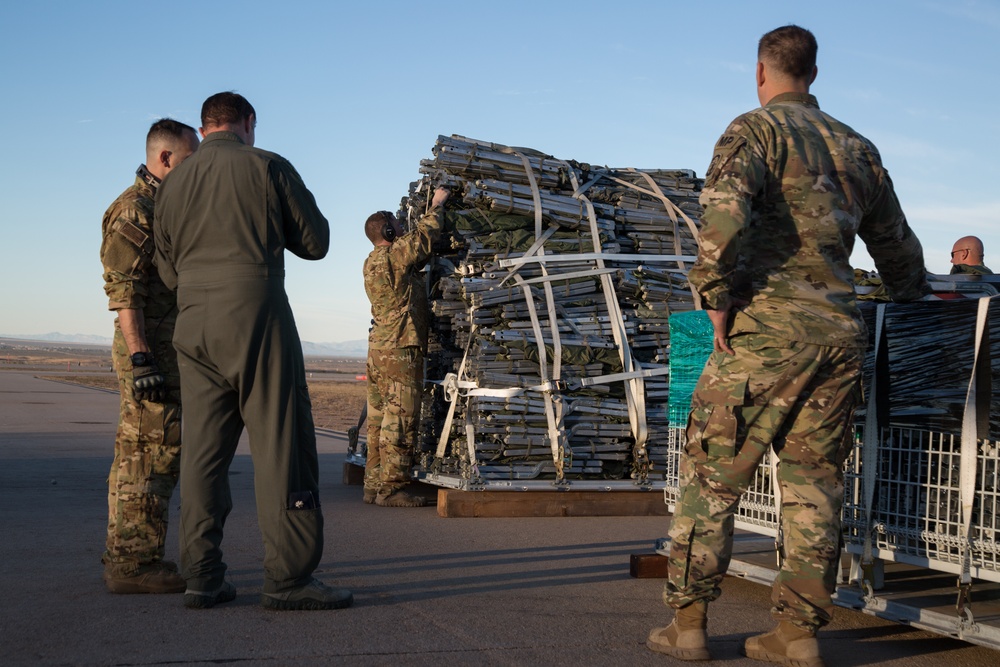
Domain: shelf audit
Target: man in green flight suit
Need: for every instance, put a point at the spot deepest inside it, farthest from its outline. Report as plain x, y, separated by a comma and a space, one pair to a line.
222, 225
147, 445
396, 347
787, 191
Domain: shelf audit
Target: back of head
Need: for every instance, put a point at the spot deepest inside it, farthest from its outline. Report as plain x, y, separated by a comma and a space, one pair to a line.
790, 50
968, 250
375, 226
168, 132
226, 108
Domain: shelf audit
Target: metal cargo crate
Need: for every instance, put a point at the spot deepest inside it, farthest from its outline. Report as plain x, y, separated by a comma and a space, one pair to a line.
757, 511
916, 514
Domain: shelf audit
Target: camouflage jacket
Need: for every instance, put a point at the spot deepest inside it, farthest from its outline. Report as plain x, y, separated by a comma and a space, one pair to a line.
398, 295
968, 269
130, 279
788, 189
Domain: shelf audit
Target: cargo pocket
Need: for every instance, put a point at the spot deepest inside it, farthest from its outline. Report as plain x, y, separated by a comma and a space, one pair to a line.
716, 426
300, 544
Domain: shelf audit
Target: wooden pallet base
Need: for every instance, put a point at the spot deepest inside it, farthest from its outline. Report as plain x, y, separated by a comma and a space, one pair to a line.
353, 475
452, 503
647, 566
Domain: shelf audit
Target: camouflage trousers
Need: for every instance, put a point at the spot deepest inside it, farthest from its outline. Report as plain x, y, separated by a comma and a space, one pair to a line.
395, 384
146, 464
798, 399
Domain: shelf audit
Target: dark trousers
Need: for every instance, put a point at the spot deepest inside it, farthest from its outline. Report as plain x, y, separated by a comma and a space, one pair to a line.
241, 366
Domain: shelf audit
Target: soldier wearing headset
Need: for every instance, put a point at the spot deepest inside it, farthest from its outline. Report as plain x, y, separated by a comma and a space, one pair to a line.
396, 347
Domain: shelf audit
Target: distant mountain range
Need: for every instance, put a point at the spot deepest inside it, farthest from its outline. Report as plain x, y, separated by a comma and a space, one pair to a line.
354, 349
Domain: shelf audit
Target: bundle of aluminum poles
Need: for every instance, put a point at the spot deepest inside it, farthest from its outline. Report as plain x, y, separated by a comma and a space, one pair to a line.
551, 294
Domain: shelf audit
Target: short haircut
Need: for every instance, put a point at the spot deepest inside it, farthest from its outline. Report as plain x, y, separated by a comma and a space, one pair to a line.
374, 225
168, 130
225, 109
790, 49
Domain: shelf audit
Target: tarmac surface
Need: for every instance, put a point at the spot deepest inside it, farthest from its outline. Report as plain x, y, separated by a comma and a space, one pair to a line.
427, 590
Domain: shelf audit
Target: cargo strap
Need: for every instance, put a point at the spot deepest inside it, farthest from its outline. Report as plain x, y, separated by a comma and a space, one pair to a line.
975, 426
779, 535
451, 396
635, 392
555, 435
600, 256
553, 412
870, 444
453, 386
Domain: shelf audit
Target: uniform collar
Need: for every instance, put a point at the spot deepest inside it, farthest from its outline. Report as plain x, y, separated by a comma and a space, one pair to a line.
222, 135
797, 98
143, 174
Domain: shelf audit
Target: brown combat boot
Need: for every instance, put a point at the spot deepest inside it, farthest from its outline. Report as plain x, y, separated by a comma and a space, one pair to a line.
369, 496
686, 637
788, 645
399, 498
160, 577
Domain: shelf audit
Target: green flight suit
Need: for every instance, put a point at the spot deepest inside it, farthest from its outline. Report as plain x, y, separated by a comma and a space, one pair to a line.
971, 270
223, 221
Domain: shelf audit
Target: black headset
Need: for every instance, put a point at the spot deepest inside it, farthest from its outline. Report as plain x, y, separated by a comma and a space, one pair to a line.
388, 231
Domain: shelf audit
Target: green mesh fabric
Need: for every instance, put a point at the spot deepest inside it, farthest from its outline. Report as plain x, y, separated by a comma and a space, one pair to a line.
690, 345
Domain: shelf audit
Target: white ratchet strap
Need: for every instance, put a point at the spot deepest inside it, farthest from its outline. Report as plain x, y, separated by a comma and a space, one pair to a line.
590, 256
531, 252
453, 387
635, 393
974, 425
550, 413
451, 394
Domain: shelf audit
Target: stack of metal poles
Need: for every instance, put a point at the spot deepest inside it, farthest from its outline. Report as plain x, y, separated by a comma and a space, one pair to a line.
551, 293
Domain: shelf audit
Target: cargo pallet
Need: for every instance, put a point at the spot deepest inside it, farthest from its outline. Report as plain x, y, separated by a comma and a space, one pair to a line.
906, 594
922, 506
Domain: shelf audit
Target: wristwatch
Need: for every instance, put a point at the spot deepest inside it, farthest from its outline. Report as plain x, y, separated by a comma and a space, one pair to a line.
141, 359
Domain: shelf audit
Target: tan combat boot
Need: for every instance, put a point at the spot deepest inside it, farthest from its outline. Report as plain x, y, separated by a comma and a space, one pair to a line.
158, 577
787, 644
686, 637
399, 498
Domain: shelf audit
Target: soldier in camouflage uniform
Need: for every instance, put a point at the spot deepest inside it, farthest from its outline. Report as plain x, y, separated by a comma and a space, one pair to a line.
147, 447
967, 257
787, 191
396, 346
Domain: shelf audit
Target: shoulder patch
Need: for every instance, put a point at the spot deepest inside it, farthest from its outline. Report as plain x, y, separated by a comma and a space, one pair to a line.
136, 236
725, 148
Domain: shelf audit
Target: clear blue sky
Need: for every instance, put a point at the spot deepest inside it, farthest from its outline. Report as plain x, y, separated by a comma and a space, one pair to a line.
355, 94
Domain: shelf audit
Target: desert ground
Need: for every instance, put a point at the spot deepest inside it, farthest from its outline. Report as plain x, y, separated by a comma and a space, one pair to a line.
336, 392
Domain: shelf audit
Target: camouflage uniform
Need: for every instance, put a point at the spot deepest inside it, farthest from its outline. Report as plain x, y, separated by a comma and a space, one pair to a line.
147, 446
787, 191
396, 346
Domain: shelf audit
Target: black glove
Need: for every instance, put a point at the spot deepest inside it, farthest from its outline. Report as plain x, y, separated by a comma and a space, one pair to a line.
148, 383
